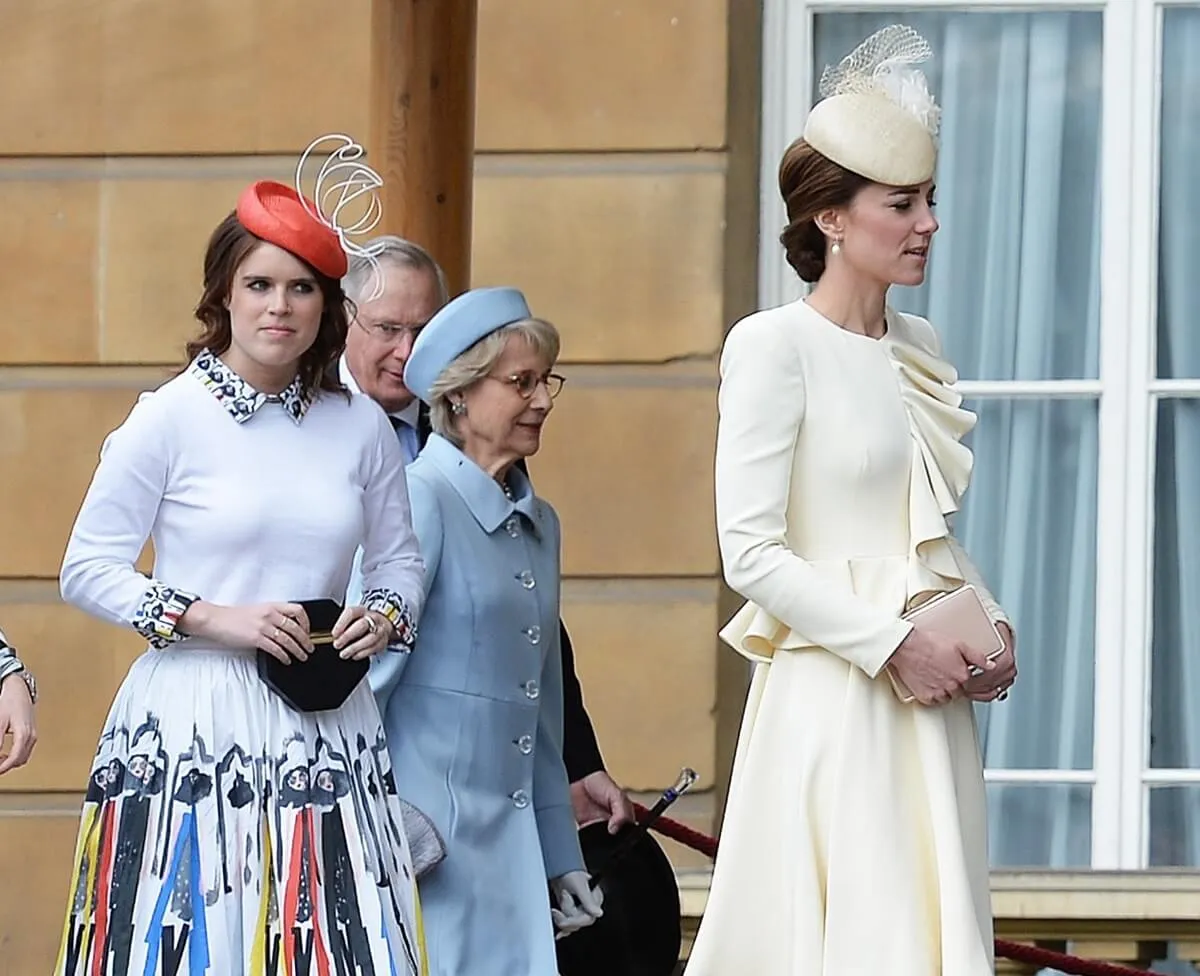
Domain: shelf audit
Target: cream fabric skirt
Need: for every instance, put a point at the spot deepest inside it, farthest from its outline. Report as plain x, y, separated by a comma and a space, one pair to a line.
855, 836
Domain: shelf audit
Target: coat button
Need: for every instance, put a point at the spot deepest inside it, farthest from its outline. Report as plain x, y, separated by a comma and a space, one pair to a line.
520, 799
527, 580
531, 689
513, 526
525, 744
533, 634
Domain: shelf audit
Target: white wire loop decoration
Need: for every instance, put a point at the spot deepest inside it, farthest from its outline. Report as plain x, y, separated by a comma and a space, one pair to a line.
885, 63
344, 181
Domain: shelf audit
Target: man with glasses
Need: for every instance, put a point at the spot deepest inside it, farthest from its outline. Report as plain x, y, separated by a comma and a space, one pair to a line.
382, 332
384, 328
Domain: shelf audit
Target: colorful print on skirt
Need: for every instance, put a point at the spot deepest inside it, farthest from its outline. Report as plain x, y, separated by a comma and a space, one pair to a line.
193, 862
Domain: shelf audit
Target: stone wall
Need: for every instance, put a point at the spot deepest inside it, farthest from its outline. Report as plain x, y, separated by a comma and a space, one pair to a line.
615, 183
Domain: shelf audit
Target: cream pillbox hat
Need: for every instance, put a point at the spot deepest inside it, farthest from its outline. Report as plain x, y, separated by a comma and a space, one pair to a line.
877, 117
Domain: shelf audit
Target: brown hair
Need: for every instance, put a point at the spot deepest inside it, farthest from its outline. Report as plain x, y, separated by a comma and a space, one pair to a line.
810, 183
228, 247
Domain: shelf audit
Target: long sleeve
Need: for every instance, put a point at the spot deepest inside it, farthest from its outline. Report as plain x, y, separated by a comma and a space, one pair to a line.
392, 569
551, 791
354, 598
387, 668
581, 751
98, 573
971, 574
761, 408
354, 589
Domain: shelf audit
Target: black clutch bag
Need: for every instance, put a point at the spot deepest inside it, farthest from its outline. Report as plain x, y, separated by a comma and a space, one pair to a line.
322, 682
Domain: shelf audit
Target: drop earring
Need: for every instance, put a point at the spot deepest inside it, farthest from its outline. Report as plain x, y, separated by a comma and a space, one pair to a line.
836, 248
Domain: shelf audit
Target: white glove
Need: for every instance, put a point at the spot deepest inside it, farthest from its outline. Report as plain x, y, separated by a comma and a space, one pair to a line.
579, 905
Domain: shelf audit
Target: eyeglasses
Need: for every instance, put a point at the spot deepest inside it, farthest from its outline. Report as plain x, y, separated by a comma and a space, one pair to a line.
527, 382
388, 333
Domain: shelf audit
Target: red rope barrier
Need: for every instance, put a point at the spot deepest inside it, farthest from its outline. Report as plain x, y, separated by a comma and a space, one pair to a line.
1018, 951
1046, 959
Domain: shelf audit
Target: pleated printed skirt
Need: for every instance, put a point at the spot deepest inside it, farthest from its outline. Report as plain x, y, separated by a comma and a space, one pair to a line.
224, 833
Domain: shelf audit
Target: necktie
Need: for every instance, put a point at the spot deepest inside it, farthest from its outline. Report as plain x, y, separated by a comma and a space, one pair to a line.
408, 438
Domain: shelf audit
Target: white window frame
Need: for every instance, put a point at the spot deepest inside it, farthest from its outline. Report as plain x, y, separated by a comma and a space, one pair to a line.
1125, 389
1145, 393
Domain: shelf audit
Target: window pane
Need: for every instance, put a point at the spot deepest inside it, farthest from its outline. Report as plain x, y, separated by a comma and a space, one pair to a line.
1175, 694
1014, 275
1179, 200
1029, 524
1039, 826
1175, 826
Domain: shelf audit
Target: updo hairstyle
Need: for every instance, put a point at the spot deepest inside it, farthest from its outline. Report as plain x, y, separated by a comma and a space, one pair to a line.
810, 183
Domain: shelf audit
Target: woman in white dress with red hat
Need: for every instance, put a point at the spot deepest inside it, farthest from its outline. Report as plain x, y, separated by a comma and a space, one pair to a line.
854, 840
227, 829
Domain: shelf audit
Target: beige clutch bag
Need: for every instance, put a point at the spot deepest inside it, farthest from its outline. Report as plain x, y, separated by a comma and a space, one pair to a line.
959, 614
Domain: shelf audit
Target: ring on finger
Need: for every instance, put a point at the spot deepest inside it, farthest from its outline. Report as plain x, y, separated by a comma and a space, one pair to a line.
371, 625
275, 634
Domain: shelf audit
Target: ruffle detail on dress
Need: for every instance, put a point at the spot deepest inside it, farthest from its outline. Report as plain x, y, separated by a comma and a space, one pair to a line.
938, 476
941, 463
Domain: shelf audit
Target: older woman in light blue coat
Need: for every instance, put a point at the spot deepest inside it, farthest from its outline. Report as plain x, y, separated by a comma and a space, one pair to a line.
474, 715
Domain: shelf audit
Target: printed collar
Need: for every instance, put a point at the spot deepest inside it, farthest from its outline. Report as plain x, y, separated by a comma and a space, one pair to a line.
240, 400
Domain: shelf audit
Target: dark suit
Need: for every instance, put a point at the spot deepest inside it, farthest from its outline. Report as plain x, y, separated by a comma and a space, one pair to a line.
581, 751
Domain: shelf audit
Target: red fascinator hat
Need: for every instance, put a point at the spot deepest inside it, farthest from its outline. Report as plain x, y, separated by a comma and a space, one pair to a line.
279, 215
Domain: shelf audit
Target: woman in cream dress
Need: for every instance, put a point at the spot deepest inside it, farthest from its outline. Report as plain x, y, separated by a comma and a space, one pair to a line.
855, 835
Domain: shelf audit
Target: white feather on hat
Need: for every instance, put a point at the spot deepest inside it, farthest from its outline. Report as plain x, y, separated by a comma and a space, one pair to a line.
877, 117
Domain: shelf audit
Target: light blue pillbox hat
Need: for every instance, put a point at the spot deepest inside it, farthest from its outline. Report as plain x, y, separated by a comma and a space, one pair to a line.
456, 327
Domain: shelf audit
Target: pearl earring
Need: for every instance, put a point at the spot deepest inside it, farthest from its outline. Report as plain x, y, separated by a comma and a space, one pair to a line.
836, 248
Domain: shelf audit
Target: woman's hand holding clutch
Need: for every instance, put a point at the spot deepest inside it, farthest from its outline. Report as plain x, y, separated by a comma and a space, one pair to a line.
994, 685
279, 629
936, 668
360, 633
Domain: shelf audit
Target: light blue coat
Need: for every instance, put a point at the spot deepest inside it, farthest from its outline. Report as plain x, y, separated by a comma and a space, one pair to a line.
474, 717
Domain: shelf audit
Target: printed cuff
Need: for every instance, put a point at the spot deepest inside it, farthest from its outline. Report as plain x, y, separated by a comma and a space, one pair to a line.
9, 663
393, 606
159, 612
